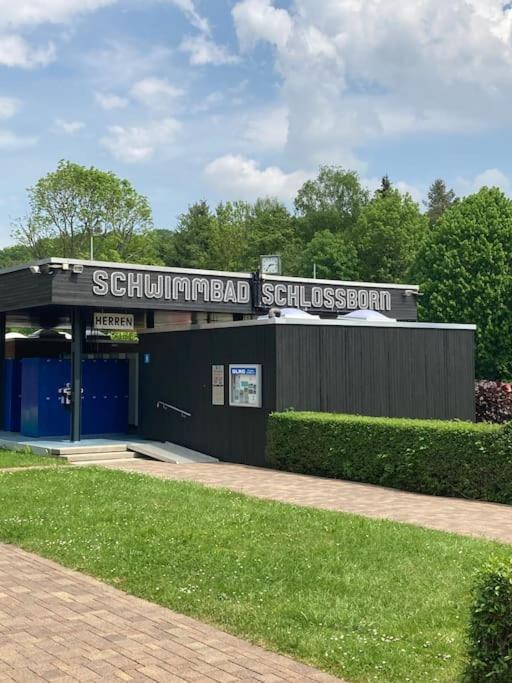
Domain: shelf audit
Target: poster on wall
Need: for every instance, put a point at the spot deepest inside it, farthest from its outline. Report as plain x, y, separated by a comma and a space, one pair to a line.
245, 385
217, 385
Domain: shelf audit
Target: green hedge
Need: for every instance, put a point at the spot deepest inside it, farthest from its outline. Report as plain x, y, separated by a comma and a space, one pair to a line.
428, 456
490, 630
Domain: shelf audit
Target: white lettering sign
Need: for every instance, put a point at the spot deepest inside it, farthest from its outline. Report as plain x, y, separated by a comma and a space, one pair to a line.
170, 287
113, 321
328, 298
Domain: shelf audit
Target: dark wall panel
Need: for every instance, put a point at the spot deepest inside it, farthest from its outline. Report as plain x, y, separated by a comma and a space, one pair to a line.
396, 372
23, 289
179, 372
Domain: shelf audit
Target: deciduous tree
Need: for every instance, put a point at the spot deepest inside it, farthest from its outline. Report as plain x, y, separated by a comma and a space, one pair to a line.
389, 232
465, 273
73, 203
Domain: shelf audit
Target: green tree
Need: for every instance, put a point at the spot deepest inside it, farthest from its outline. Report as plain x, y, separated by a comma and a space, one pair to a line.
271, 230
333, 201
440, 198
73, 203
389, 232
194, 237
164, 246
15, 255
385, 186
331, 255
465, 273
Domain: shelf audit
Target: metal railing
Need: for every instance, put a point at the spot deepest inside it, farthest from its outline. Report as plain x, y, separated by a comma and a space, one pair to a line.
169, 406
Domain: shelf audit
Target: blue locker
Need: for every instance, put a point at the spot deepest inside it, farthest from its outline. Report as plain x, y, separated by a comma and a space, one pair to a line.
44, 384
12, 395
45, 387
105, 399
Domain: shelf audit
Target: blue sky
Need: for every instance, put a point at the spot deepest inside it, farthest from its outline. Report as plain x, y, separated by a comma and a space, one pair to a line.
229, 99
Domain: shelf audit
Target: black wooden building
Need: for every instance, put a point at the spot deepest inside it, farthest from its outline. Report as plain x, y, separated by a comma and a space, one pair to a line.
210, 371
383, 369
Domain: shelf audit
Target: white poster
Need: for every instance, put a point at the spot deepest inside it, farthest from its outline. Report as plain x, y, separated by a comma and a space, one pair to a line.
245, 385
217, 385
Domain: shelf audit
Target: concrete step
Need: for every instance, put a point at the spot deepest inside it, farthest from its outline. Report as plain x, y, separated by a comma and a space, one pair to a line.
99, 457
171, 453
100, 448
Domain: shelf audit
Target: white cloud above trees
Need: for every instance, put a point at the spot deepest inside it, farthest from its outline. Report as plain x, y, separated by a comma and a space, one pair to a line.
352, 71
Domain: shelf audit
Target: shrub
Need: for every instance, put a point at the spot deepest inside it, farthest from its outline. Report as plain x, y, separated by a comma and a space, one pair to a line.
493, 401
427, 456
490, 628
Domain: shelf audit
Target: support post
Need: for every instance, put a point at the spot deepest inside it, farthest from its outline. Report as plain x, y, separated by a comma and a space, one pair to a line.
2, 369
76, 373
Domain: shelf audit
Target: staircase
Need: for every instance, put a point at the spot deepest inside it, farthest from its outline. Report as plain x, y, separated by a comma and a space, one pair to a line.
122, 451
90, 455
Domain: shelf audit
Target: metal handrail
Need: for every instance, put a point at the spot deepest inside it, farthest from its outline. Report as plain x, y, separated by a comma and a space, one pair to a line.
169, 406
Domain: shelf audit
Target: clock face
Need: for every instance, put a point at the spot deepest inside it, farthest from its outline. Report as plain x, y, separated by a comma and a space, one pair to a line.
271, 265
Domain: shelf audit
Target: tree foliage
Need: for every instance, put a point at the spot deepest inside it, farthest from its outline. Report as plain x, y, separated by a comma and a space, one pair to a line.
465, 271
74, 203
440, 198
332, 201
388, 234
331, 256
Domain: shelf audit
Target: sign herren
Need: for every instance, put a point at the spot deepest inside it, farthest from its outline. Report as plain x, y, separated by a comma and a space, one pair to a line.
113, 321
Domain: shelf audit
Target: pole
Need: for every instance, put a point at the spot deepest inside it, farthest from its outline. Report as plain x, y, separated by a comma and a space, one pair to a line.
76, 373
314, 271
2, 368
92, 246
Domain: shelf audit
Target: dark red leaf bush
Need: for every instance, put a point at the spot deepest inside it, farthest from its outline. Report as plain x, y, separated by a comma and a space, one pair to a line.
493, 401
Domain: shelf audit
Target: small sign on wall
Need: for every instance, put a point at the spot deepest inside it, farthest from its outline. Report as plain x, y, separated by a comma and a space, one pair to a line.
217, 385
245, 385
114, 321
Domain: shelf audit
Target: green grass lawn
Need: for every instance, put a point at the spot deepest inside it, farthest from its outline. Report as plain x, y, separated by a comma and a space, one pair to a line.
366, 600
19, 459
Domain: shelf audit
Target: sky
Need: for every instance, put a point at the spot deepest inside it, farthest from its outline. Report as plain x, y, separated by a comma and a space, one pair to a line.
236, 99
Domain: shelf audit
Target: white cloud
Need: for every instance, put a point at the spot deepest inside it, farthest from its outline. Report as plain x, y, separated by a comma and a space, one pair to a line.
241, 177
203, 50
267, 129
33, 12
188, 8
209, 102
135, 144
8, 107
69, 127
11, 141
16, 52
257, 20
351, 72
155, 92
492, 177
110, 101
120, 63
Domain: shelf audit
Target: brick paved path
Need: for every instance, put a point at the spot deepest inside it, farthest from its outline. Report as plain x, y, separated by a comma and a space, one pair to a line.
448, 514
59, 625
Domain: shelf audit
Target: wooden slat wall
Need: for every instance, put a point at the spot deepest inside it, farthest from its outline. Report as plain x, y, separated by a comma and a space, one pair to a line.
179, 373
421, 373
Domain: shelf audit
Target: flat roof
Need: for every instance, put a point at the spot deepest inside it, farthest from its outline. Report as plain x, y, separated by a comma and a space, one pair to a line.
310, 322
194, 271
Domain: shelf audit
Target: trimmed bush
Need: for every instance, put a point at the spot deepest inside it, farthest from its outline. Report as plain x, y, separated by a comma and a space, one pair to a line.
490, 629
493, 401
427, 456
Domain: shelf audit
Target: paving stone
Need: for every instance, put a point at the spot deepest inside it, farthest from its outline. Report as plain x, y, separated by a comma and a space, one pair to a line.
468, 517
128, 639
